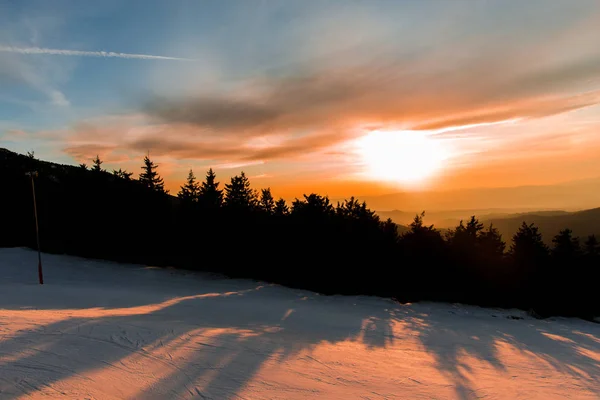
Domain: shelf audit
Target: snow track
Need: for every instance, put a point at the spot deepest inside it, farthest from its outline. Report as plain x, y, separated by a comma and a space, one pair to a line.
99, 330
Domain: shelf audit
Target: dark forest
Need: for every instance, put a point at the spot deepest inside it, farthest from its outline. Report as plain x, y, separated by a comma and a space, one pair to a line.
345, 248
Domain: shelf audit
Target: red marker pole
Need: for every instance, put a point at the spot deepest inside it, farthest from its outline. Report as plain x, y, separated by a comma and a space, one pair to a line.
37, 231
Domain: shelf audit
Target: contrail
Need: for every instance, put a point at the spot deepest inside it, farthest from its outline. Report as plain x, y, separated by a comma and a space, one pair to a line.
61, 52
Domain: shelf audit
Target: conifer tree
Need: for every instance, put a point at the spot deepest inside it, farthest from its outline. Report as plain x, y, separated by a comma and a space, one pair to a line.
239, 195
465, 236
355, 210
150, 177
418, 226
491, 243
210, 196
527, 243
565, 246
390, 230
266, 203
529, 255
97, 164
281, 208
190, 191
123, 174
313, 206
423, 244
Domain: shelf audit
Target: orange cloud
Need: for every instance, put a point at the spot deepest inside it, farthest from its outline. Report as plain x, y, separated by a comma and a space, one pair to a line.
308, 114
413, 94
85, 152
185, 141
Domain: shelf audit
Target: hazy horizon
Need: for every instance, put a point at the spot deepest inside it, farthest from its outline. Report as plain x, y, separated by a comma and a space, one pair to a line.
418, 100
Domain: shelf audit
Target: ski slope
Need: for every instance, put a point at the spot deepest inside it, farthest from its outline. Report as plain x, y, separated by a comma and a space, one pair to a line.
100, 330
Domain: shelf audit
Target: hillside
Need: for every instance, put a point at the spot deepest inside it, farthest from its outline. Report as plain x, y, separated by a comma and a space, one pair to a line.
114, 331
583, 223
77, 208
15, 166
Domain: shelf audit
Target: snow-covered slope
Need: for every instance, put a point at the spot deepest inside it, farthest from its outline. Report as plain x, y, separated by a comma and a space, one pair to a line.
100, 330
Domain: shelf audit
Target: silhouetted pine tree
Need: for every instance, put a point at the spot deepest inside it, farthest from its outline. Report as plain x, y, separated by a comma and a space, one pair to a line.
528, 248
464, 256
418, 227
83, 166
424, 245
315, 246
491, 262
187, 215
492, 244
150, 177
390, 231
239, 209
529, 256
565, 270
190, 191
123, 174
313, 207
355, 210
465, 237
97, 164
566, 248
239, 195
210, 196
477, 256
360, 224
281, 208
362, 238
266, 202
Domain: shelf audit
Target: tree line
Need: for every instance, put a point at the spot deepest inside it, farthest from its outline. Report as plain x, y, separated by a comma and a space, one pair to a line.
309, 243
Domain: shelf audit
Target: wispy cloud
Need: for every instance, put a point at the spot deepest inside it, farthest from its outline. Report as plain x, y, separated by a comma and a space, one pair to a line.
184, 142
416, 95
38, 76
64, 52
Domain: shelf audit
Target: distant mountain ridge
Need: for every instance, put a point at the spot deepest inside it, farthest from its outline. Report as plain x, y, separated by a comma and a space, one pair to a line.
569, 196
450, 218
583, 223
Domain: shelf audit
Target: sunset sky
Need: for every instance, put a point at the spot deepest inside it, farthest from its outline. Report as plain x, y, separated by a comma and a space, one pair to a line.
339, 97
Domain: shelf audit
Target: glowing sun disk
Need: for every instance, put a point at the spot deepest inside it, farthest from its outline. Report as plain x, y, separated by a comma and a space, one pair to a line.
401, 156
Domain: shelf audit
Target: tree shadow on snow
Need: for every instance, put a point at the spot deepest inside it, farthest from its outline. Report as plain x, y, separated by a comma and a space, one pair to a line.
458, 341
208, 345
214, 337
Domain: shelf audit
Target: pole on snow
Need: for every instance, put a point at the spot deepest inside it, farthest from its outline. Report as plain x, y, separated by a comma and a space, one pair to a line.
37, 229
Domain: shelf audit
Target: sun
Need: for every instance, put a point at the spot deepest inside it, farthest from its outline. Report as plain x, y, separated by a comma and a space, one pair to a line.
406, 157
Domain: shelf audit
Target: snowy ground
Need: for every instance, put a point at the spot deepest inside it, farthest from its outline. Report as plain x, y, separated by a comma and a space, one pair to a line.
100, 330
